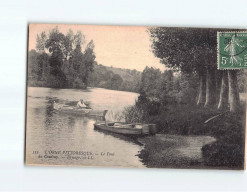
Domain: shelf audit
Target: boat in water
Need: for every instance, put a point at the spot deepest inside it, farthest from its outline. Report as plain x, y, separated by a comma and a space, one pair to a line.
78, 111
135, 129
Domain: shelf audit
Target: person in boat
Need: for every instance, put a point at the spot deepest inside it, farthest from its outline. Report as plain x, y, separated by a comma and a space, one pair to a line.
81, 104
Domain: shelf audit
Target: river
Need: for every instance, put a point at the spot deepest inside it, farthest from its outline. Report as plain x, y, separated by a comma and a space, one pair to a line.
50, 133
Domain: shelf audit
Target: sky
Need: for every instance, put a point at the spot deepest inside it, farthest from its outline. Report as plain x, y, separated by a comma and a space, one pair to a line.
118, 46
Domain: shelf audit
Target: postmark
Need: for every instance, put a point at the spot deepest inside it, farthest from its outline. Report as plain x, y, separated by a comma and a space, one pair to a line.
232, 50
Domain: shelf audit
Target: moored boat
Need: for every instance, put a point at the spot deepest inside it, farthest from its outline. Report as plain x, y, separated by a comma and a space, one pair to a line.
137, 129
78, 111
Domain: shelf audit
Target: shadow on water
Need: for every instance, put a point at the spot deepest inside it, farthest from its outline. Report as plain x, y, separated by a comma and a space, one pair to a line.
53, 120
71, 121
52, 129
77, 90
49, 112
52, 115
127, 138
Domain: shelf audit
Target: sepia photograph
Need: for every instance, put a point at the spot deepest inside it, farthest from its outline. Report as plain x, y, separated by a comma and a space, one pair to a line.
136, 97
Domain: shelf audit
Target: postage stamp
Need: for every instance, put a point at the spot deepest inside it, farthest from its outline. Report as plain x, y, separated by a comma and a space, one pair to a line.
232, 50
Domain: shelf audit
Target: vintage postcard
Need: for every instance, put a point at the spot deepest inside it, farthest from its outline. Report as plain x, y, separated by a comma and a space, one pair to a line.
136, 97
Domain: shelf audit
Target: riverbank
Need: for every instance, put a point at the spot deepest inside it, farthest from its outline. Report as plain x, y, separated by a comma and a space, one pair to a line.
173, 151
184, 139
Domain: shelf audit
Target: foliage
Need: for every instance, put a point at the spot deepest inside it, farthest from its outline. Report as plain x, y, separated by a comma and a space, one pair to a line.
65, 65
151, 82
40, 42
60, 62
170, 105
169, 87
228, 150
115, 78
186, 49
242, 75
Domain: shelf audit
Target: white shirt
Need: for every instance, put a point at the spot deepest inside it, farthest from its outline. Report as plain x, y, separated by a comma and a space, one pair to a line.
81, 105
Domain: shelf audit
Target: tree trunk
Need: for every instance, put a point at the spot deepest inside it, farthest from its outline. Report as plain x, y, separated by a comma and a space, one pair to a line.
224, 91
202, 89
210, 89
234, 99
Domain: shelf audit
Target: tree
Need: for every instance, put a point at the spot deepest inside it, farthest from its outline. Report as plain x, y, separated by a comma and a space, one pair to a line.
79, 39
88, 58
192, 50
72, 41
150, 81
33, 67
38, 68
224, 91
234, 99
56, 45
210, 88
66, 65
77, 67
188, 50
40, 42
43, 64
69, 39
116, 81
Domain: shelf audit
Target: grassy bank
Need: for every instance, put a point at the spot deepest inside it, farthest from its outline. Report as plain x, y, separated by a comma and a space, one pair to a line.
174, 151
225, 153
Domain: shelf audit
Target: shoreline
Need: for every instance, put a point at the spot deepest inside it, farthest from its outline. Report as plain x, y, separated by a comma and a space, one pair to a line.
173, 151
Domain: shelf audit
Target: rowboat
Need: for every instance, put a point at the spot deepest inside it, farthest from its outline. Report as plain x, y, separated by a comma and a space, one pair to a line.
137, 129
78, 111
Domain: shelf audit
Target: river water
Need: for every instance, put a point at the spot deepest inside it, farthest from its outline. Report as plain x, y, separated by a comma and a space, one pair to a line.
55, 138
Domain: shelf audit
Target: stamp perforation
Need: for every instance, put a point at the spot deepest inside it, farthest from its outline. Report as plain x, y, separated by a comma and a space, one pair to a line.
218, 50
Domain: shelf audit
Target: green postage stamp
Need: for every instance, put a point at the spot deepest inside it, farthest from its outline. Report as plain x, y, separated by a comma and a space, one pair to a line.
232, 50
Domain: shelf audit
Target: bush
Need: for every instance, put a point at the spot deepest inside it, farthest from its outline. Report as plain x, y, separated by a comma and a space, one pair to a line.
223, 154
78, 84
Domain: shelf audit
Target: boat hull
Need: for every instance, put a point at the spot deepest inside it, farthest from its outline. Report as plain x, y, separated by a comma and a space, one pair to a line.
127, 129
79, 111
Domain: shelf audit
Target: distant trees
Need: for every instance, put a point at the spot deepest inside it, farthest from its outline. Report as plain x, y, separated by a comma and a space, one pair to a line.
168, 87
115, 78
59, 60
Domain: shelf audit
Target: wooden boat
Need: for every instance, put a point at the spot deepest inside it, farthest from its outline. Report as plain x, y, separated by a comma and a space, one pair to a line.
78, 111
137, 129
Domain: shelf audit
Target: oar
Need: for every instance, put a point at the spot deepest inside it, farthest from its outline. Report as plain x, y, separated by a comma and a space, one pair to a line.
214, 117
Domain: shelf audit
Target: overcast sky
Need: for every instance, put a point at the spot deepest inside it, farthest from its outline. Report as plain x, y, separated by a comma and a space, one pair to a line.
117, 46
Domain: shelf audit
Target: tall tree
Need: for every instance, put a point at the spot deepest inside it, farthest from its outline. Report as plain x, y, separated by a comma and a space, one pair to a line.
187, 50
56, 45
191, 50
234, 99
66, 65
224, 91
33, 67
40, 42
79, 39
89, 62
150, 82
77, 67
43, 64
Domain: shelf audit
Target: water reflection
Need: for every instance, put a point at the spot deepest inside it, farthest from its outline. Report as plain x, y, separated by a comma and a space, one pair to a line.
127, 138
49, 129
